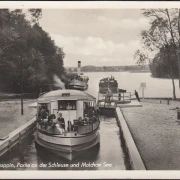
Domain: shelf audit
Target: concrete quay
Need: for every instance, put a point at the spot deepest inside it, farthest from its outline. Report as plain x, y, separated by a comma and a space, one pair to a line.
155, 130
135, 158
14, 126
16, 137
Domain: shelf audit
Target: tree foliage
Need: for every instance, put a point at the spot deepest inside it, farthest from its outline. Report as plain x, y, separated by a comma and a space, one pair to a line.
141, 58
163, 37
23, 40
164, 64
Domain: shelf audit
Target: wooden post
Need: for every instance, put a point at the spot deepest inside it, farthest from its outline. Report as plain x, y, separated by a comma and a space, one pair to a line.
168, 101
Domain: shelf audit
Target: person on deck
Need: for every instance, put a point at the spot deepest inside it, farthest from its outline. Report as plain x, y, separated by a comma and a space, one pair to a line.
85, 120
90, 112
61, 121
43, 113
137, 95
109, 95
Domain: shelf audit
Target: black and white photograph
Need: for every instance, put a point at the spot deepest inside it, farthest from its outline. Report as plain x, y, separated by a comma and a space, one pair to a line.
89, 89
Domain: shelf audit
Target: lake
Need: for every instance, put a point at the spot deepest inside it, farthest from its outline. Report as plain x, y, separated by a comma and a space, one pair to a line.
155, 87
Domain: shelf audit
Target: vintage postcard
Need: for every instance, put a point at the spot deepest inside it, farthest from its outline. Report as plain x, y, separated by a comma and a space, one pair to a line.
89, 90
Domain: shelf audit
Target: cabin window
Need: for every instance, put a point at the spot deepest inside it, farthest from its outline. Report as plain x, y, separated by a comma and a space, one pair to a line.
67, 105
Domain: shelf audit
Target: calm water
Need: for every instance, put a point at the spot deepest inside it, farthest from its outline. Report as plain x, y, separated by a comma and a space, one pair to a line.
156, 87
108, 156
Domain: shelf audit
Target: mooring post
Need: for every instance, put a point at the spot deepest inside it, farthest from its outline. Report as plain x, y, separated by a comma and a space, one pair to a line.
160, 101
168, 101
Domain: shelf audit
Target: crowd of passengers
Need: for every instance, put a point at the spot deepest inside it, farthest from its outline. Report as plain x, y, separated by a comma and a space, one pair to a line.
107, 79
47, 121
80, 78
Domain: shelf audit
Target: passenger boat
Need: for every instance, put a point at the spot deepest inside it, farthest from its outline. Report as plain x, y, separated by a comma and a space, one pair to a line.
79, 83
108, 83
76, 129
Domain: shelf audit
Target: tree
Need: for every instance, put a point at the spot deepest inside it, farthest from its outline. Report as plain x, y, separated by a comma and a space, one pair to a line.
164, 30
163, 37
23, 40
165, 65
141, 58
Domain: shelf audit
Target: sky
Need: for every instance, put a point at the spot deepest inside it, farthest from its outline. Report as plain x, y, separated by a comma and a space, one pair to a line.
99, 37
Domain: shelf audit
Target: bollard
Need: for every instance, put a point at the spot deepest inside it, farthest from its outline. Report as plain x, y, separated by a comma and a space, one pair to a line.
160, 101
168, 101
178, 114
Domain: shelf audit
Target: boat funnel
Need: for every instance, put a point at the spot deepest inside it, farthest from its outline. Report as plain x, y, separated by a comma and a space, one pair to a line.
79, 68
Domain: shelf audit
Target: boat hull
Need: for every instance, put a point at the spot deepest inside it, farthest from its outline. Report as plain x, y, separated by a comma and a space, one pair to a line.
67, 151
78, 87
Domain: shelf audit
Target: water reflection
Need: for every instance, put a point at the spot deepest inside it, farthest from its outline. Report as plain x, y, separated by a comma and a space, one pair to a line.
80, 162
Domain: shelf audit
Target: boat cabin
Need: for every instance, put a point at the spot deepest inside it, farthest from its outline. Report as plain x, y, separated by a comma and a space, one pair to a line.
76, 108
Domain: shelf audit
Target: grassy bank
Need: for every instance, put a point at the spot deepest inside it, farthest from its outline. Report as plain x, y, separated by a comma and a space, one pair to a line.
11, 118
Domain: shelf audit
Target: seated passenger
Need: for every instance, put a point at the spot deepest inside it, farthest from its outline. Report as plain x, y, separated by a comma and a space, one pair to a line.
50, 119
61, 121
80, 120
58, 129
85, 120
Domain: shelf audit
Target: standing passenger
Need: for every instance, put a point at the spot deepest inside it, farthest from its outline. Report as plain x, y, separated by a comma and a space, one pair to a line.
61, 121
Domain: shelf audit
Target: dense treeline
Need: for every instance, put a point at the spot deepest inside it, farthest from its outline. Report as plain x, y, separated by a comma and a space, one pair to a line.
25, 45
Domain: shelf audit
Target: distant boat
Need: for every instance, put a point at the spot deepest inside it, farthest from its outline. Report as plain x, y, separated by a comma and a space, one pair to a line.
79, 83
108, 83
76, 133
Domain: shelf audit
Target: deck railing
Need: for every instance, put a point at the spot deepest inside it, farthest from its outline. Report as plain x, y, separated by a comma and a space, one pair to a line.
118, 98
82, 128
88, 128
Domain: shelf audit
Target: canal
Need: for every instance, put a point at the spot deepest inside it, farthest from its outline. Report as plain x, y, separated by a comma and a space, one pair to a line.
109, 155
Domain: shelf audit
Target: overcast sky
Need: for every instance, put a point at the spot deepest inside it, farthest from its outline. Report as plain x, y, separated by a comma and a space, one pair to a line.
95, 37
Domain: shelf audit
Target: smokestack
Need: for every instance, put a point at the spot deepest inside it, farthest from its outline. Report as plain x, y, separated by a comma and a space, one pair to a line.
79, 68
